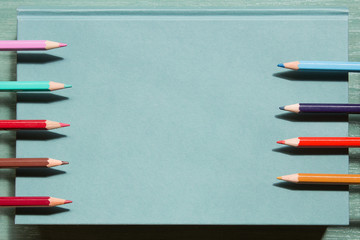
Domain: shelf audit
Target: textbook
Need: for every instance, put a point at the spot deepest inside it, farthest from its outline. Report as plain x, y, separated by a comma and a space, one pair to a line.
174, 115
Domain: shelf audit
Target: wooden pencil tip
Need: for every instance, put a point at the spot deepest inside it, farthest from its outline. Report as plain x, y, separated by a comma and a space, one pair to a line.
67, 201
281, 142
62, 44
64, 163
281, 65
64, 125
280, 178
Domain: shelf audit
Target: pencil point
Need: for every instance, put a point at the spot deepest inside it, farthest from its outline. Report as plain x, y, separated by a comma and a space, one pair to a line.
281, 142
64, 163
67, 86
64, 125
67, 201
62, 44
282, 108
280, 178
281, 65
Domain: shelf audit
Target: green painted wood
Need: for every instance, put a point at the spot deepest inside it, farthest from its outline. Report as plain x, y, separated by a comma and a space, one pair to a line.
8, 230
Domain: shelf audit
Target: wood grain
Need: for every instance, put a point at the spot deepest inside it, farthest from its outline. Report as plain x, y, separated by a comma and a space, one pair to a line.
7, 140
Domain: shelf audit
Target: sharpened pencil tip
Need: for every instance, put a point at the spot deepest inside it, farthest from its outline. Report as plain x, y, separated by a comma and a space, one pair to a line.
67, 86
280, 178
62, 44
64, 163
64, 125
281, 65
281, 142
67, 201
282, 108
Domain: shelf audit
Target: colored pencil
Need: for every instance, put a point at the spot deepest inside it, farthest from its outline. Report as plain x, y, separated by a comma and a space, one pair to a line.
322, 108
322, 66
320, 178
30, 162
30, 125
32, 86
32, 201
29, 45
322, 142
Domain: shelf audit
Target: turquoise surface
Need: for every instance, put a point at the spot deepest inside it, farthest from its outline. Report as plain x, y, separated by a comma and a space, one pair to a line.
174, 116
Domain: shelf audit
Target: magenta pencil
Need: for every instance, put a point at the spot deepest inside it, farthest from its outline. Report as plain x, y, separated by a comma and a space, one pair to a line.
29, 45
32, 201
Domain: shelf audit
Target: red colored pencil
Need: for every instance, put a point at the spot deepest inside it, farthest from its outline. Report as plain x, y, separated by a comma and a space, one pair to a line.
32, 201
30, 125
30, 162
322, 142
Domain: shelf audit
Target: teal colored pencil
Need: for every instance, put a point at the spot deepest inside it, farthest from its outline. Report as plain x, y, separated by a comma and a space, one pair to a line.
32, 86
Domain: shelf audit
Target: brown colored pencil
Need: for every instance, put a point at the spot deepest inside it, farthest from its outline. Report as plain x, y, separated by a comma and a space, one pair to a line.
32, 201
30, 162
320, 178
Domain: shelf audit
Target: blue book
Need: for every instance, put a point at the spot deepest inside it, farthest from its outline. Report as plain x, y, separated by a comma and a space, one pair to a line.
174, 115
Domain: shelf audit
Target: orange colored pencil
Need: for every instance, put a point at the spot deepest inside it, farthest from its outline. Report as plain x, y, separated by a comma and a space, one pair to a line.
320, 178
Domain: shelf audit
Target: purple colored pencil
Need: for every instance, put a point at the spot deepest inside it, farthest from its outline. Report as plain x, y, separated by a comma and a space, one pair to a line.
322, 108
29, 45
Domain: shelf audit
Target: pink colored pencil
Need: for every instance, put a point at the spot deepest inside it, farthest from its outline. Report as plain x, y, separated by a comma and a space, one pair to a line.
32, 201
29, 45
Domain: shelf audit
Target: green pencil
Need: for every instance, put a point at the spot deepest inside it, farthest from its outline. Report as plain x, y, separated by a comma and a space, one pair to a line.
32, 86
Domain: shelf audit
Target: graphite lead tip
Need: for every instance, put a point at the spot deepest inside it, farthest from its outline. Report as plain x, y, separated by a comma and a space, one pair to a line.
281, 142
67, 86
62, 44
282, 108
67, 201
64, 125
281, 65
64, 163
280, 178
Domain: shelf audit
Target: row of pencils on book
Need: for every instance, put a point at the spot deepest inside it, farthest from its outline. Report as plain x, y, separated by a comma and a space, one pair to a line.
31, 201
322, 142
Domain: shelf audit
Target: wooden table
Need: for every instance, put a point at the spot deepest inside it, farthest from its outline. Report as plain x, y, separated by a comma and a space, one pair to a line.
8, 230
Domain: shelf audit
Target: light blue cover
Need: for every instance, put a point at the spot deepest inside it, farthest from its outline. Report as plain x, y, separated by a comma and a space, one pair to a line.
174, 116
